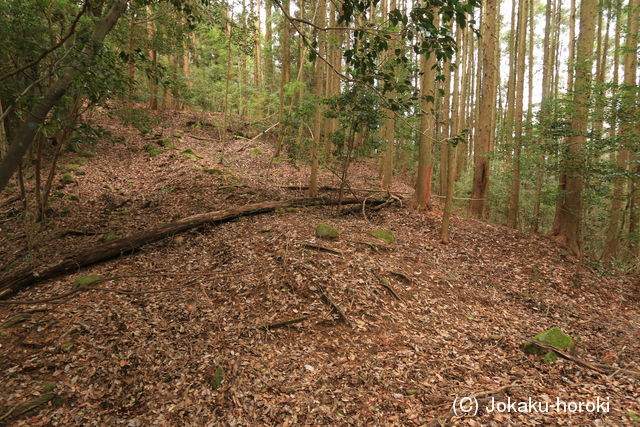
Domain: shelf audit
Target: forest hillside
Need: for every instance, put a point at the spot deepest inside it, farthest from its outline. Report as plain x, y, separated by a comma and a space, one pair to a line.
259, 321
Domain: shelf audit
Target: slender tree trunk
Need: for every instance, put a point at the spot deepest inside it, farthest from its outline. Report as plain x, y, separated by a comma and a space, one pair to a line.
4, 143
268, 54
225, 118
514, 195
612, 240
285, 74
153, 56
629, 127
257, 47
131, 65
389, 128
444, 119
427, 124
448, 204
318, 120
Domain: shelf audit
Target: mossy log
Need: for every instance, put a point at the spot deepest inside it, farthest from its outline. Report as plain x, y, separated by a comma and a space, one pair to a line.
130, 244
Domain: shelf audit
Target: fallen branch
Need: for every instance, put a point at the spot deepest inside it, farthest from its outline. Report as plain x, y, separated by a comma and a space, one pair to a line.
198, 138
329, 188
567, 356
9, 200
244, 147
95, 287
23, 408
106, 251
284, 323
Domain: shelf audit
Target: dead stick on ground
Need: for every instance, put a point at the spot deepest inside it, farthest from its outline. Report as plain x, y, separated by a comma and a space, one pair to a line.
568, 356
322, 248
603, 369
284, 323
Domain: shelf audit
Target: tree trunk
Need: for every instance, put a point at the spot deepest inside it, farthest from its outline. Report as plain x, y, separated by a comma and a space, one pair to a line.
514, 195
448, 204
285, 73
318, 120
569, 210
427, 123
4, 143
444, 118
629, 127
487, 102
153, 55
612, 240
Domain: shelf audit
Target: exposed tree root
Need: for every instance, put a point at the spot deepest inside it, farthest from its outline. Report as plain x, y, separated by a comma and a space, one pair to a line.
326, 298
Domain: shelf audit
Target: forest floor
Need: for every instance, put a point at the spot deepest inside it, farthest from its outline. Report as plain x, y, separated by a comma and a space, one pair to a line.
181, 344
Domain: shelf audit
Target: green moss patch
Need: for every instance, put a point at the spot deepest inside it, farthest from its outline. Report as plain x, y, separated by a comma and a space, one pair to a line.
215, 380
109, 237
84, 282
165, 142
326, 231
79, 160
553, 337
73, 168
66, 178
384, 235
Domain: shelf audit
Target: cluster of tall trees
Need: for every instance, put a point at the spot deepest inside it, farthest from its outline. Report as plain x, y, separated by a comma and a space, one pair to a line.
523, 112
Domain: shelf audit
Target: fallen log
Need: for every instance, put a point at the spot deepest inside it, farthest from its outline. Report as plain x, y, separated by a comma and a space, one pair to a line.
28, 276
